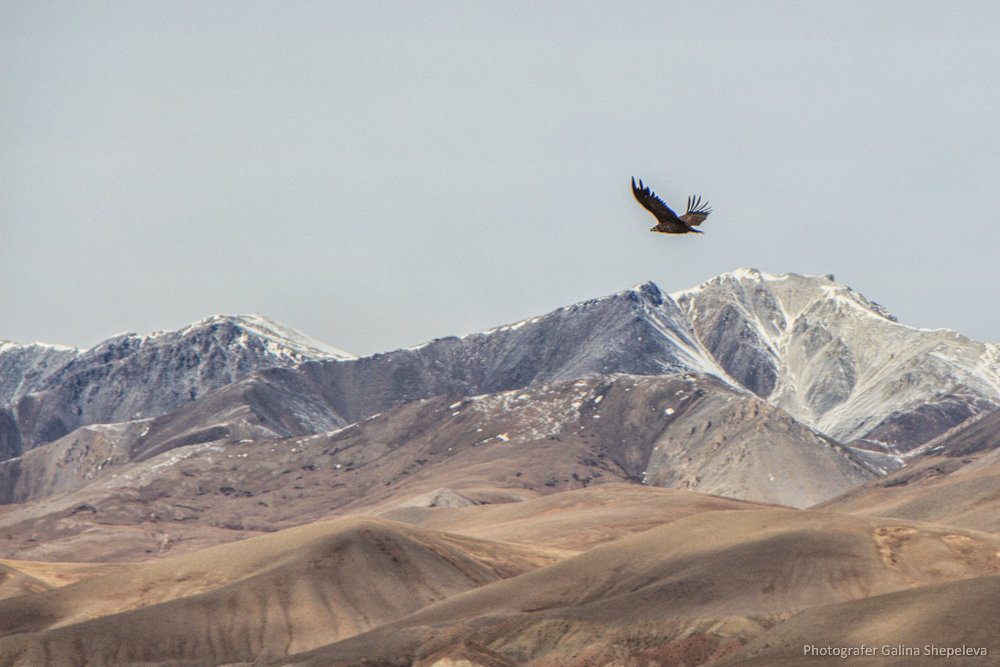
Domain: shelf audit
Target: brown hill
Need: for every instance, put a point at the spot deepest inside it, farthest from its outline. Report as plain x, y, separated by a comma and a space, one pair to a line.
715, 580
24, 576
268, 596
572, 520
912, 627
15, 582
953, 480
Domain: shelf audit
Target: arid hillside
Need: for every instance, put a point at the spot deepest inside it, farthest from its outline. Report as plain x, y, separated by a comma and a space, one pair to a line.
583, 577
764, 464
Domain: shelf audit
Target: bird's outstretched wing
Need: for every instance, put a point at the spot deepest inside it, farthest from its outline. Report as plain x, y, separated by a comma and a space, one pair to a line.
697, 211
654, 205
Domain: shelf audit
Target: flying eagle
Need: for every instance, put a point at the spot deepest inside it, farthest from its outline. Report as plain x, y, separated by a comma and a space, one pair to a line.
667, 221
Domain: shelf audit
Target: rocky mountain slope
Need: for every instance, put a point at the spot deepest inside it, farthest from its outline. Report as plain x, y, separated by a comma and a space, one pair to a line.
50, 391
815, 348
679, 431
829, 357
47, 391
637, 331
839, 362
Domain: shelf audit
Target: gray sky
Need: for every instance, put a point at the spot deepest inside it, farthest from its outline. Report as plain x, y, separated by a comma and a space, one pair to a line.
379, 174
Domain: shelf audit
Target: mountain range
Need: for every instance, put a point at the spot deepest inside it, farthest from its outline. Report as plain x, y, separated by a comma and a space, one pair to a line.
720, 406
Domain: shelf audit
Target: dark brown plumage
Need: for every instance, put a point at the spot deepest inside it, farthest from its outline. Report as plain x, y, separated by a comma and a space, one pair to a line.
667, 221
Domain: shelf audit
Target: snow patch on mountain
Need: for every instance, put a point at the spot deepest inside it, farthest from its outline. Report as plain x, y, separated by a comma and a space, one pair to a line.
23, 366
47, 391
638, 330
281, 341
838, 361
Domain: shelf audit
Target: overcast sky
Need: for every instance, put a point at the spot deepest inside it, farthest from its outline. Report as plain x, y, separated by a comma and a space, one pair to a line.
379, 174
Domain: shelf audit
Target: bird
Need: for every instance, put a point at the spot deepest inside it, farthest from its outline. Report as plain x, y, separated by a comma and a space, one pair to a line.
667, 221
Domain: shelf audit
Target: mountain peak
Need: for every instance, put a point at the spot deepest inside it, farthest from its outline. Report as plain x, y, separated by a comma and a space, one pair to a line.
828, 355
129, 376
283, 339
796, 293
648, 289
6, 345
637, 330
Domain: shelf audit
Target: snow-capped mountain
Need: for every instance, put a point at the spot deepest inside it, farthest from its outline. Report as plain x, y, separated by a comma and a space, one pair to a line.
839, 362
47, 391
746, 386
23, 367
128, 377
639, 331
828, 356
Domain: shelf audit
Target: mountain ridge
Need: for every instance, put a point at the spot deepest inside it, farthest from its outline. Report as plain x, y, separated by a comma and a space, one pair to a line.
638, 330
46, 391
227, 380
839, 361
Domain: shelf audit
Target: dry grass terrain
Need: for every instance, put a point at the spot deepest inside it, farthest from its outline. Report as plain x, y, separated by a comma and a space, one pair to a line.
705, 584
615, 574
955, 480
264, 597
944, 616
27, 576
573, 520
